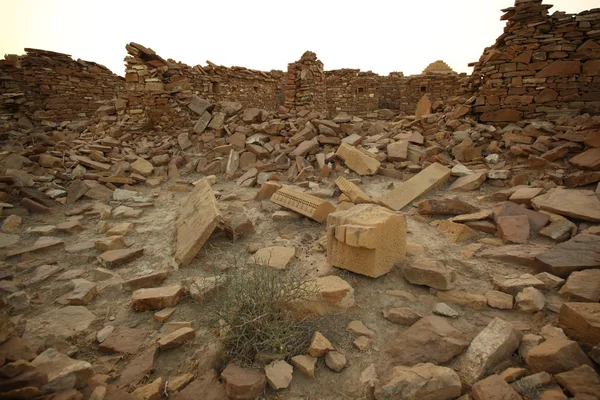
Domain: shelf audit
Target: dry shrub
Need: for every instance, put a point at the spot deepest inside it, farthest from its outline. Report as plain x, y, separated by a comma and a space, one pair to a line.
252, 308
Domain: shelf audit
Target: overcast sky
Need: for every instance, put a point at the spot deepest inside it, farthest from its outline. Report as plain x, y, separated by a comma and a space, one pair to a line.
377, 35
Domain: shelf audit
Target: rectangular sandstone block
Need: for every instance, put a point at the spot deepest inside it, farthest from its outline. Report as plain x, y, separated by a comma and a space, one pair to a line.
357, 160
425, 181
366, 239
197, 220
354, 193
156, 298
303, 203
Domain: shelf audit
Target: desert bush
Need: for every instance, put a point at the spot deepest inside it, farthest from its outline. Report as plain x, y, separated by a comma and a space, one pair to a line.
252, 308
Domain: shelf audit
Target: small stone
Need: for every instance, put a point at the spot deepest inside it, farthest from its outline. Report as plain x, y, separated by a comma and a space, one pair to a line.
513, 229
279, 374
362, 343
142, 167
494, 388
512, 374
430, 273
528, 342
177, 338
335, 360
360, 329
306, 364
402, 316
319, 345
156, 298
11, 223
277, 257
163, 314
499, 300
115, 258
104, 333
242, 383
83, 292
530, 300
151, 391
445, 310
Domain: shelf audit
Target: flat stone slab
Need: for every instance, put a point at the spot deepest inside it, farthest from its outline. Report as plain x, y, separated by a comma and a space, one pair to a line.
198, 218
114, 258
582, 204
581, 321
425, 181
156, 298
62, 323
581, 252
277, 257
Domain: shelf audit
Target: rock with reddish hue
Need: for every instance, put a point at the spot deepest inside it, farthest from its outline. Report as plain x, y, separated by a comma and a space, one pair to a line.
589, 159
444, 207
454, 232
581, 204
422, 381
556, 356
551, 281
537, 220
332, 294
138, 367
499, 300
319, 345
504, 115
277, 257
431, 339
398, 151
359, 328
513, 285
581, 321
279, 374
176, 338
581, 252
474, 301
64, 323
491, 346
429, 273
512, 374
530, 300
513, 229
468, 183
335, 360
63, 372
156, 298
242, 383
306, 364
402, 316
115, 258
583, 286
151, 391
83, 292
360, 161
494, 388
580, 380
207, 384
11, 223
145, 281
15, 349
123, 340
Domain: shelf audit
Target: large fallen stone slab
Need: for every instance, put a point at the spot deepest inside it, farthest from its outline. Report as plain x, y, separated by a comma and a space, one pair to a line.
242, 383
583, 286
63, 323
425, 181
556, 355
582, 380
358, 160
581, 204
423, 381
581, 321
429, 273
308, 205
445, 207
494, 387
156, 298
491, 346
516, 254
366, 239
198, 218
581, 252
354, 193
431, 339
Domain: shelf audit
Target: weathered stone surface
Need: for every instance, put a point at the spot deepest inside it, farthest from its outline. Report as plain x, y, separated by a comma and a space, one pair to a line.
581, 321
357, 160
468, 182
429, 273
474, 301
494, 388
156, 298
207, 384
499, 300
445, 310
277, 257
431, 339
583, 286
319, 345
581, 252
279, 374
64, 323
444, 207
145, 281
537, 220
303, 203
517, 254
242, 383
151, 391
455, 232
306, 364
425, 181
198, 218
366, 239
123, 340
530, 300
513, 285
504, 115
83, 292
580, 380
176, 338
581, 204
63, 372
402, 315
15, 349
423, 381
513, 229
335, 360
332, 294
556, 355
142, 167
491, 346
115, 258
354, 193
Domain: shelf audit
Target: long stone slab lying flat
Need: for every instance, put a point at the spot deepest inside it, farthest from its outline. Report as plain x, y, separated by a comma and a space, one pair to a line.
582, 204
425, 181
197, 220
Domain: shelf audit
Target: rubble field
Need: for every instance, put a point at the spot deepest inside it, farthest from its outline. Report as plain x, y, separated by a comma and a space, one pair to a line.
449, 253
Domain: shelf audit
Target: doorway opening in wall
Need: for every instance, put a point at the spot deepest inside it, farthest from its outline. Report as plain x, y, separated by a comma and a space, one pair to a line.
216, 87
360, 90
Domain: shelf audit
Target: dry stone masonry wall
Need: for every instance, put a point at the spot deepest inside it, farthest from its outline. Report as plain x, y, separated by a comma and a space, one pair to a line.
542, 65
44, 87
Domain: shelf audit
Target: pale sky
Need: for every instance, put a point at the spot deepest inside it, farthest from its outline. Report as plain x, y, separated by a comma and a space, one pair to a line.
376, 35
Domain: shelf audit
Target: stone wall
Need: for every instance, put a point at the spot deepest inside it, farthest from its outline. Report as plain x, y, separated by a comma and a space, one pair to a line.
305, 84
48, 88
157, 90
542, 66
359, 93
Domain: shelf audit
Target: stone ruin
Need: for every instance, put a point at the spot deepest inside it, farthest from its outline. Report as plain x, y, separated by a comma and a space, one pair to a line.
450, 222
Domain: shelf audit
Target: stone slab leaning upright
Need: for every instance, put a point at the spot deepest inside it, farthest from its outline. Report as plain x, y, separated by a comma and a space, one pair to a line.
197, 219
366, 239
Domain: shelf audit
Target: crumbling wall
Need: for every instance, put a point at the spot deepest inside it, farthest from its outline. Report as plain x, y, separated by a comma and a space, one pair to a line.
44, 87
305, 84
359, 93
158, 90
542, 66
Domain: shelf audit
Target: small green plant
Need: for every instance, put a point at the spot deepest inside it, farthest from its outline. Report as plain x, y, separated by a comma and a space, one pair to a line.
252, 308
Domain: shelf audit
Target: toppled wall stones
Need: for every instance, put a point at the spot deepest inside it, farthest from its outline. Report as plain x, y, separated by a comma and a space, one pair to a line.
305, 83
542, 66
47, 88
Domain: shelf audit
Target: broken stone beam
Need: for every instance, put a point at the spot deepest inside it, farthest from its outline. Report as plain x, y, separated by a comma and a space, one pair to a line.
357, 160
354, 193
425, 181
303, 203
197, 220
366, 239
